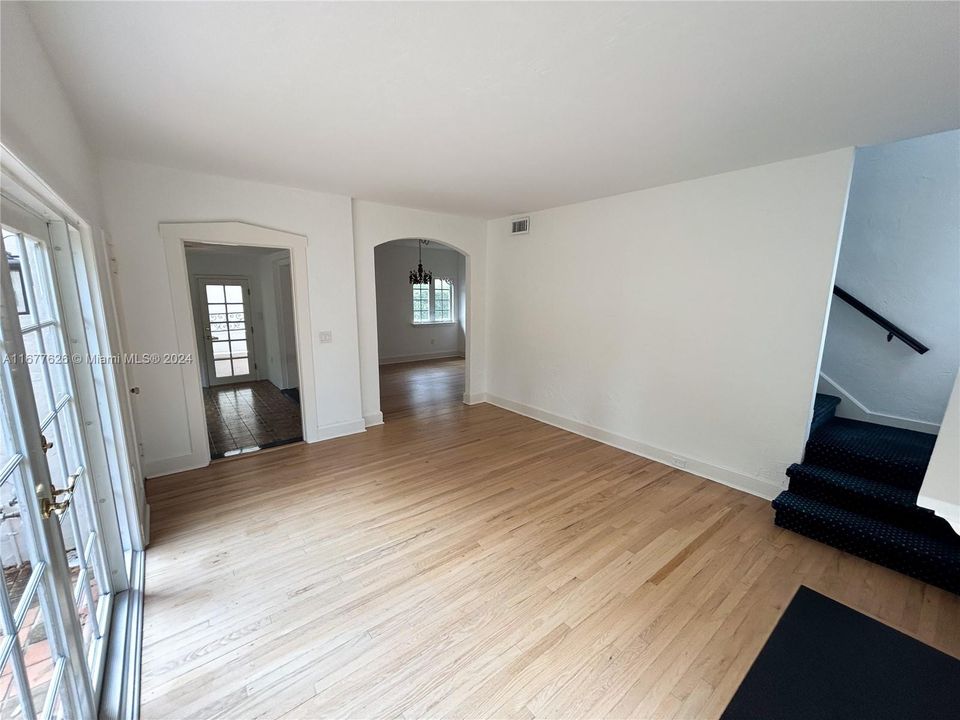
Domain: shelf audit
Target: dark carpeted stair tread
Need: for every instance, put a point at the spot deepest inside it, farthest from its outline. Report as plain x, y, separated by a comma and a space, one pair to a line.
824, 408
912, 553
882, 501
885, 454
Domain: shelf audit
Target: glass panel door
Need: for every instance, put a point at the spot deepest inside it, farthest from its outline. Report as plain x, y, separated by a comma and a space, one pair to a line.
56, 598
225, 314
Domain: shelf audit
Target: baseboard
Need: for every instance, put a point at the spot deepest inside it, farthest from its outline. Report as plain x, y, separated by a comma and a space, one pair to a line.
335, 430
374, 419
169, 466
853, 409
474, 399
760, 487
398, 359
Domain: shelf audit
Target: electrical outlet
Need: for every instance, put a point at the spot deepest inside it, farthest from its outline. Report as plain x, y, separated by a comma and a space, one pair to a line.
326, 336
679, 461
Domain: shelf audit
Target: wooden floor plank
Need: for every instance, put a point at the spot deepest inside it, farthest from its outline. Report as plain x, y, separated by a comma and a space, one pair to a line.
464, 561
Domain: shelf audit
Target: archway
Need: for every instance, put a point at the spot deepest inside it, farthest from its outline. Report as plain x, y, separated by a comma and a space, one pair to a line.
421, 326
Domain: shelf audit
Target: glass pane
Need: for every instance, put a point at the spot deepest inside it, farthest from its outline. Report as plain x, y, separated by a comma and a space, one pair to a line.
58, 712
217, 313
236, 326
38, 373
88, 629
238, 348
55, 457
56, 361
241, 366
9, 694
215, 294
41, 279
37, 654
235, 313
13, 541
234, 294
222, 368
218, 327
86, 570
238, 334
221, 350
14, 255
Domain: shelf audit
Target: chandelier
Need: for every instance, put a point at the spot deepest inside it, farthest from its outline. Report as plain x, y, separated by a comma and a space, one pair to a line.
420, 277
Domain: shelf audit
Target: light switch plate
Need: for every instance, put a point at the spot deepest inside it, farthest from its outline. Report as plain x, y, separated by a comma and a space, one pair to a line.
326, 336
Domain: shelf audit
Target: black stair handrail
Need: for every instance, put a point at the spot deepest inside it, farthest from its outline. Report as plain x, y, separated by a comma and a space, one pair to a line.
892, 330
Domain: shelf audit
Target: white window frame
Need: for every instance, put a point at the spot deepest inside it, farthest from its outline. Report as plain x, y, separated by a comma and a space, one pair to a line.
101, 397
432, 304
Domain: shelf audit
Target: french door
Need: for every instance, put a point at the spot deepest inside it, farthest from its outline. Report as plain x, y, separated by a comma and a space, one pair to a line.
56, 598
227, 332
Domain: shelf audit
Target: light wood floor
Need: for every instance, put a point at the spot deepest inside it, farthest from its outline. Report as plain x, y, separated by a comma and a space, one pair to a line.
468, 562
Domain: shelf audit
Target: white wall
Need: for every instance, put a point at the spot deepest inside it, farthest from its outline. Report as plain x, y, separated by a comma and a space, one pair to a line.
375, 224
398, 338
137, 198
901, 256
37, 122
683, 321
941, 485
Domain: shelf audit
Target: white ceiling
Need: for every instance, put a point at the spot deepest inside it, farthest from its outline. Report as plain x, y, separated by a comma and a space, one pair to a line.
492, 109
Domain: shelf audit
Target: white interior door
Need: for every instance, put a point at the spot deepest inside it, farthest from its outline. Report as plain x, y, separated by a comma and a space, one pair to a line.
56, 597
227, 330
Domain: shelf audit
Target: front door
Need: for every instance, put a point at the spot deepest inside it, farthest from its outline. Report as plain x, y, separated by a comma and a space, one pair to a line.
227, 333
56, 597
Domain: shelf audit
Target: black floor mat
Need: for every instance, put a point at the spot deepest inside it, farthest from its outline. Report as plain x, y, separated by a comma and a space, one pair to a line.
826, 660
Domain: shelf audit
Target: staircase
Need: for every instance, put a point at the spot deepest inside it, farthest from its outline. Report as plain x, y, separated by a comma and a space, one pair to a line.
856, 490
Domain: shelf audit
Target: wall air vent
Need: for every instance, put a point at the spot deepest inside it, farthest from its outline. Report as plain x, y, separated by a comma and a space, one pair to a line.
520, 226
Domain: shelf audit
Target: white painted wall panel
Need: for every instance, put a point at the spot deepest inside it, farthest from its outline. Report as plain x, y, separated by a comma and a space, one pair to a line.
684, 320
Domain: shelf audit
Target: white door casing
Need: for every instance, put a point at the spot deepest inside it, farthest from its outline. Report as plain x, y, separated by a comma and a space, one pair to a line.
174, 235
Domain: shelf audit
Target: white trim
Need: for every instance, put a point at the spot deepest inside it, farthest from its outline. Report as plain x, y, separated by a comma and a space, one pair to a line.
182, 463
335, 430
169, 466
398, 359
372, 420
474, 399
853, 409
760, 487
174, 236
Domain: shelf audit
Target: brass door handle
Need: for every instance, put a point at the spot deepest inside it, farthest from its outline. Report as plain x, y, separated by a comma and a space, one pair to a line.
48, 506
45, 444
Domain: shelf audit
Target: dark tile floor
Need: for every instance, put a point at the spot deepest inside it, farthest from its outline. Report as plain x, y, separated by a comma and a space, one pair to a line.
250, 416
